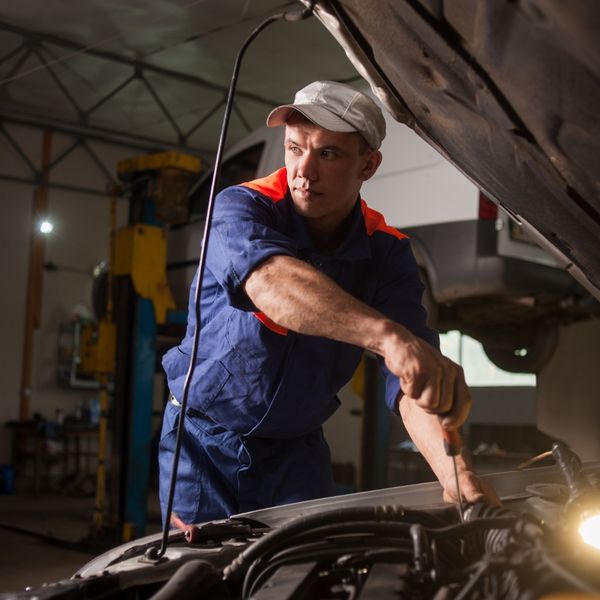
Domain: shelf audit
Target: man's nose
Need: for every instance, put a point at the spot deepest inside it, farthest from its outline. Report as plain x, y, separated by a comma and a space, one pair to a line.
307, 166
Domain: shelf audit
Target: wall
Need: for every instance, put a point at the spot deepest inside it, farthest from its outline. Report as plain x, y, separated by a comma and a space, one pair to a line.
78, 242
569, 390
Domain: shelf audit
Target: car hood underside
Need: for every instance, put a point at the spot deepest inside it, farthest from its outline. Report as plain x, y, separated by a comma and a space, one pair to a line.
507, 91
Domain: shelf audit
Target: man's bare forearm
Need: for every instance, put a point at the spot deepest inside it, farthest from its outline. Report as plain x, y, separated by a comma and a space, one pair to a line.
426, 432
297, 296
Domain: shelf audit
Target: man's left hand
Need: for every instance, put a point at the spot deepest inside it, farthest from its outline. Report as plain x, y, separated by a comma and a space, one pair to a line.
473, 489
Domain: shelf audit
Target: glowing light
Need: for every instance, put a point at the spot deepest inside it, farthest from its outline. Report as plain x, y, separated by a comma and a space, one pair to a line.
46, 227
589, 530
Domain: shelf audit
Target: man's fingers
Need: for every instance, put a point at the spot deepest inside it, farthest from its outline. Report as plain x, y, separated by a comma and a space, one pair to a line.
415, 384
435, 383
479, 490
461, 404
446, 399
473, 489
434, 393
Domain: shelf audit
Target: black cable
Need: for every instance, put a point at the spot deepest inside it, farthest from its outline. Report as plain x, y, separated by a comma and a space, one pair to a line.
152, 554
474, 581
303, 523
381, 554
469, 527
361, 528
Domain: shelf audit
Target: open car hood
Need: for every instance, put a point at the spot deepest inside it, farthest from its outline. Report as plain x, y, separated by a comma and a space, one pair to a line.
507, 91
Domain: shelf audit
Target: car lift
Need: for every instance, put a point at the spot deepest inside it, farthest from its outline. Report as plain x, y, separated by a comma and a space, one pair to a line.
123, 348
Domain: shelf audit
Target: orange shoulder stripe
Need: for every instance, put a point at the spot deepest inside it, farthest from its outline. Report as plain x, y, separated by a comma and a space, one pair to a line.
273, 186
374, 221
270, 324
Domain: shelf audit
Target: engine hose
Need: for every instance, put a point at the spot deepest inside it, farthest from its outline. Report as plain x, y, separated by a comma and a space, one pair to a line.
255, 579
195, 580
496, 540
381, 528
275, 550
421, 550
474, 581
300, 524
493, 539
471, 527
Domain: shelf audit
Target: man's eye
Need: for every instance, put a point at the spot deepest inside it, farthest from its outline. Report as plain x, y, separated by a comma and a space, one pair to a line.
294, 149
327, 154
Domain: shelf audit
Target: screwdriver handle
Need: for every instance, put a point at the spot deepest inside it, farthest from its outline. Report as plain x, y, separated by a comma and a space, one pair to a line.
452, 442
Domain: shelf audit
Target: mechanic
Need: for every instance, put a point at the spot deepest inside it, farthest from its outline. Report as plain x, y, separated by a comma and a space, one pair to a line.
301, 276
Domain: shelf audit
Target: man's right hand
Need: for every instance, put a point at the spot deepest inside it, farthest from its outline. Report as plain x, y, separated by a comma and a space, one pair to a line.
432, 381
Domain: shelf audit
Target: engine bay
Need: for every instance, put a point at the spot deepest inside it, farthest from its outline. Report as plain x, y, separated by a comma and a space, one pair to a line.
389, 544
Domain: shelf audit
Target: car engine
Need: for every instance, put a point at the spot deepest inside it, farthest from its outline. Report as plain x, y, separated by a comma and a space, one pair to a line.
361, 548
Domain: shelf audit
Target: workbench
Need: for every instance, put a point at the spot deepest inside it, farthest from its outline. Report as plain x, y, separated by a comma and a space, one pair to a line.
69, 448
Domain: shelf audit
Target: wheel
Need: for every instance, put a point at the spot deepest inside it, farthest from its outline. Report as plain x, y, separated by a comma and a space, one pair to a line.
531, 357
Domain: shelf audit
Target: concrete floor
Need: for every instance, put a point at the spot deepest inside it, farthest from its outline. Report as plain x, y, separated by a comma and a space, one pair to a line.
29, 560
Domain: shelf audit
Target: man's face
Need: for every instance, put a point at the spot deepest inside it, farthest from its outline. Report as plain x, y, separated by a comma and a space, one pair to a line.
325, 171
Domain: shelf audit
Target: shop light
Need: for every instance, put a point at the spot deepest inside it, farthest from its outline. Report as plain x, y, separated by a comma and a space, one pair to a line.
589, 530
583, 508
46, 227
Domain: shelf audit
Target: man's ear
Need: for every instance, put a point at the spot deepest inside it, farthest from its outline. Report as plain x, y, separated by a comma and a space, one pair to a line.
370, 165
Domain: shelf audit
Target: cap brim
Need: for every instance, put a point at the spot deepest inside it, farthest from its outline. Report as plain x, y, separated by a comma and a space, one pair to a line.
317, 114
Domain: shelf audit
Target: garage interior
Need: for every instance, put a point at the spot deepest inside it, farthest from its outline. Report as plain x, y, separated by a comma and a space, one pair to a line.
86, 90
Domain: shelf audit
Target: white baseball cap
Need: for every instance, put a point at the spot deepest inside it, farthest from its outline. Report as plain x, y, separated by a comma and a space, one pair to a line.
336, 107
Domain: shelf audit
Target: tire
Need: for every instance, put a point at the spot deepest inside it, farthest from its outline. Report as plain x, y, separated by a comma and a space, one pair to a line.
529, 358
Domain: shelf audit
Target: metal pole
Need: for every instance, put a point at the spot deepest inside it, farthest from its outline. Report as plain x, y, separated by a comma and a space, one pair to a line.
33, 310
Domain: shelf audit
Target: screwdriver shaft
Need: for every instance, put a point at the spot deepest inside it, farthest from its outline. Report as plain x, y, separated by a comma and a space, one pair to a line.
452, 446
460, 504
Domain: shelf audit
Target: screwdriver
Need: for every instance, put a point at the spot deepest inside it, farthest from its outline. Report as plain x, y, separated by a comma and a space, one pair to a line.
452, 446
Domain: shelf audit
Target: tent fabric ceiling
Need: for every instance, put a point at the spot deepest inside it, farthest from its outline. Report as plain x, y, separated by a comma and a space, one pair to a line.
43, 78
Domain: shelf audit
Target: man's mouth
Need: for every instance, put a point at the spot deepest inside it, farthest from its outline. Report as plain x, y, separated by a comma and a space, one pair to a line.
302, 191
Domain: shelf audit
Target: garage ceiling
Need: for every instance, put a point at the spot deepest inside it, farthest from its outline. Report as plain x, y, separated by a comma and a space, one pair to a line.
154, 72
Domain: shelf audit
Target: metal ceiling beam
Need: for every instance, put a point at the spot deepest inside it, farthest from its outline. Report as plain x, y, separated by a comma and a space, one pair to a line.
37, 176
20, 152
101, 134
80, 141
39, 45
38, 36
56, 186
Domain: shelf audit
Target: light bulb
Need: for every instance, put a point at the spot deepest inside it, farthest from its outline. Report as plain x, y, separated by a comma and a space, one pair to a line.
46, 227
589, 530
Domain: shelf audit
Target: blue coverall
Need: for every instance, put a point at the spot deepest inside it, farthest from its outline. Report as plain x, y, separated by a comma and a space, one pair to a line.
260, 393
